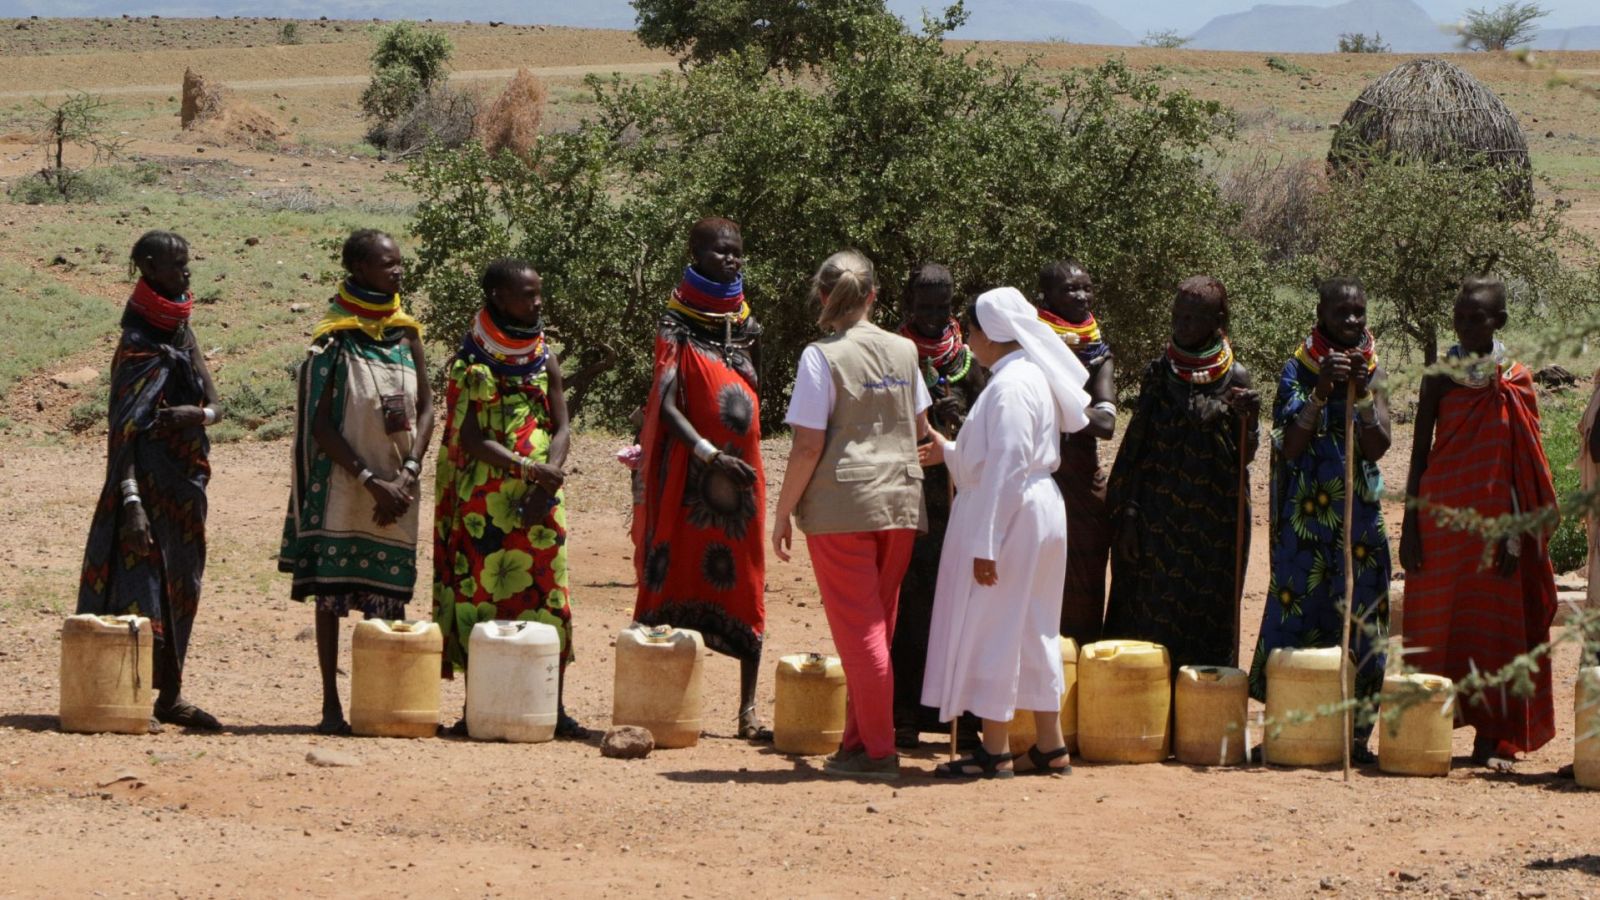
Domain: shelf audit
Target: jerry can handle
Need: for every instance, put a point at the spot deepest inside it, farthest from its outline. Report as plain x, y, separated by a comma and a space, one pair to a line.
814, 661
657, 634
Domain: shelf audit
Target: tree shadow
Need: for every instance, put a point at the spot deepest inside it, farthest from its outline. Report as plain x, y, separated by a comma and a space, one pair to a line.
1587, 863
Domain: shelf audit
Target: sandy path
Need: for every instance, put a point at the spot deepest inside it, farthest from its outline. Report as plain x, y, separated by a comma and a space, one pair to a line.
321, 81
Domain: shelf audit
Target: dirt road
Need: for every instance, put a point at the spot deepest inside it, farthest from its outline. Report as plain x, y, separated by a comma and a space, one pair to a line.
324, 81
244, 812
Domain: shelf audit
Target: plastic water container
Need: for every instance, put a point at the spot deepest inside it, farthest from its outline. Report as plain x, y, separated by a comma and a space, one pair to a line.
513, 681
1417, 741
658, 683
1124, 702
105, 674
1302, 681
394, 679
808, 716
1586, 756
1024, 731
1210, 704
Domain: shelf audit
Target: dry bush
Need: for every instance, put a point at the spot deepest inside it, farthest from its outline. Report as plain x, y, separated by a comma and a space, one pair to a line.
512, 121
444, 117
1276, 198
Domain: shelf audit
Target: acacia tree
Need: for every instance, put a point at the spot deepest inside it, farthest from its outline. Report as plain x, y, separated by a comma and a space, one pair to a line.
1508, 25
80, 120
1168, 39
1361, 42
897, 147
787, 34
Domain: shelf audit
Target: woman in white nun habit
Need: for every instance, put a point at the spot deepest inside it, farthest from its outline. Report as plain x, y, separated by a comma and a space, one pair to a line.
993, 647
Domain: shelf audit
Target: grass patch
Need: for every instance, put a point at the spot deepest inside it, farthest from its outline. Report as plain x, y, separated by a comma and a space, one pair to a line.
45, 322
1559, 416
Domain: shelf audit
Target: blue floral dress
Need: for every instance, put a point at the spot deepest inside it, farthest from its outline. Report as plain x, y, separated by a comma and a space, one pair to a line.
1306, 590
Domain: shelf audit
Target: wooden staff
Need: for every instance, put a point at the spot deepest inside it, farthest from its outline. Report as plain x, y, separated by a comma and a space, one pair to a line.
950, 503
1349, 563
1240, 530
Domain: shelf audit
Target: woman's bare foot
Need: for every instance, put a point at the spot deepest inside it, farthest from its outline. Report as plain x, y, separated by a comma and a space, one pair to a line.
333, 724
750, 727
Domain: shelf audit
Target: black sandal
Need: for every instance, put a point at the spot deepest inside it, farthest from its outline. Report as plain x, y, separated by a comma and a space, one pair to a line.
1041, 762
988, 765
186, 715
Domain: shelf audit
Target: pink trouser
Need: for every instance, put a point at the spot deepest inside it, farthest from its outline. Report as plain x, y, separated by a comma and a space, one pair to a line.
858, 575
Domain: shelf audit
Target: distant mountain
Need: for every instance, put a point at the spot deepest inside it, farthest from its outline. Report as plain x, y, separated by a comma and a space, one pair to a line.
1584, 38
1027, 20
1404, 25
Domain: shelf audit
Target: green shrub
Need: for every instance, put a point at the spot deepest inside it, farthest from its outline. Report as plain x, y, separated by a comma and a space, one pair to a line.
81, 186
1279, 64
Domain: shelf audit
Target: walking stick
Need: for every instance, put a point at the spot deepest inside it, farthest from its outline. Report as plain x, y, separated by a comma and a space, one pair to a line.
1240, 549
1349, 564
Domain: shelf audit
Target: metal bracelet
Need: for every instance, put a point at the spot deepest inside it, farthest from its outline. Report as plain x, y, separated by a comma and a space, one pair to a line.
365, 476
130, 487
130, 499
1105, 406
705, 451
412, 466
212, 417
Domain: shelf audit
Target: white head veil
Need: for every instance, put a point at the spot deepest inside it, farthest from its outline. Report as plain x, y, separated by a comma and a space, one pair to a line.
1005, 315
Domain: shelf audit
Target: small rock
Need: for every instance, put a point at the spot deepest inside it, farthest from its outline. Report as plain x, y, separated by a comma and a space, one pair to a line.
1405, 876
1530, 894
252, 241
627, 742
1326, 884
872, 808
298, 307
328, 759
76, 377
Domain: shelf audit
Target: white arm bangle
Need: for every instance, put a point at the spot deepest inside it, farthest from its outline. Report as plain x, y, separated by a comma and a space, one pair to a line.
212, 416
704, 450
1105, 406
129, 499
365, 476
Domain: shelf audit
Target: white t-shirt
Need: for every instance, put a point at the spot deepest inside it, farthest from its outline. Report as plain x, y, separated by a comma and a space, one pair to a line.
812, 401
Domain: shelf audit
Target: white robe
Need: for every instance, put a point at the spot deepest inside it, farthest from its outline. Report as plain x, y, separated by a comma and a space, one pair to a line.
994, 650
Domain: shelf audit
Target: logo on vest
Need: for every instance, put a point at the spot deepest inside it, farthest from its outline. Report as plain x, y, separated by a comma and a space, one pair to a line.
887, 382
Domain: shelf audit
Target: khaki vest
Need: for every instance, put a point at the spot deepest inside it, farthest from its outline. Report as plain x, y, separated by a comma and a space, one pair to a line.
868, 478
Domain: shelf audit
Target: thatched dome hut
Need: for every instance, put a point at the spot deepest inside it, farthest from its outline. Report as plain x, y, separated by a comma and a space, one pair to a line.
1433, 111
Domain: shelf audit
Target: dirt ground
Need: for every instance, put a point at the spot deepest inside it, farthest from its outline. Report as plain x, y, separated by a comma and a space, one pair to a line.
245, 813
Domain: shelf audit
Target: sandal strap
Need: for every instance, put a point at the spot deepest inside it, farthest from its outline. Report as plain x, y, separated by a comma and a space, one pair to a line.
990, 761
1042, 760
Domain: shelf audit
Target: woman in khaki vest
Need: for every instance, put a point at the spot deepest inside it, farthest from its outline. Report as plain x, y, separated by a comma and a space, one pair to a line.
855, 486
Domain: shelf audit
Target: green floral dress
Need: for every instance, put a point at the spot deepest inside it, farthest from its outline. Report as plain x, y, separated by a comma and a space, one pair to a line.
487, 562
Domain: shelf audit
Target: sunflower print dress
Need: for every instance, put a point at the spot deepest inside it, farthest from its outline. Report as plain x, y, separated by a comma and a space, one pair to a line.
1305, 594
488, 564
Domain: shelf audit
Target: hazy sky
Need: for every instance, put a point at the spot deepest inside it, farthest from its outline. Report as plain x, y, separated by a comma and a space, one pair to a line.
1139, 16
